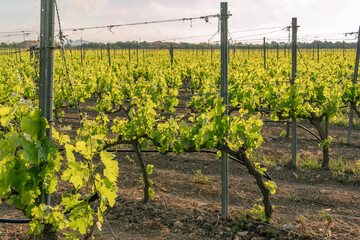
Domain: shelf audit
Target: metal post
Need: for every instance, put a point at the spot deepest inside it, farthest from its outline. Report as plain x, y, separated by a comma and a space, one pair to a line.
356, 70
137, 54
313, 51
81, 52
224, 95
277, 51
294, 70
108, 50
129, 54
31, 53
20, 54
318, 51
47, 61
46, 75
171, 54
264, 54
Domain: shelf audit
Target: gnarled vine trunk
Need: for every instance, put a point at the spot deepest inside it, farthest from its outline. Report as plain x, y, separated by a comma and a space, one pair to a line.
241, 155
324, 134
145, 177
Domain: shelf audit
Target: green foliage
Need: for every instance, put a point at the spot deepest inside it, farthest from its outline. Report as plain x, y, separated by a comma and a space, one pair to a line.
271, 186
199, 177
257, 213
356, 168
338, 168
271, 232
259, 168
309, 164
149, 171
329, 222
143, 94
326, 142
30, 164
283, 133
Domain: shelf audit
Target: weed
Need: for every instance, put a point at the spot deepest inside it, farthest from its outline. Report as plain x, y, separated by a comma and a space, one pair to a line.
240, 221
258, 213
356, 169
309, 164
328, 223
271, 232
200, 178
301, 220
283, 133
343, 121
294, 197
338, 168
257, 156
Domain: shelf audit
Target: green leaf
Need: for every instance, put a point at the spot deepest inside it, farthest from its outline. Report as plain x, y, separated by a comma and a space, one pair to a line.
69, 155
34, 125
79, 223
5, 110
111, 170
109, 195
30, 152
35, 227
149, 169
84, 149
4, 114
75, 173
28, 197
10, 143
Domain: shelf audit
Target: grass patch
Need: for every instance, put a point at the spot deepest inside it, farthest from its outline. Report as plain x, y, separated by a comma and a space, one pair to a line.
343, 121
309, 164
338, 168
261, 157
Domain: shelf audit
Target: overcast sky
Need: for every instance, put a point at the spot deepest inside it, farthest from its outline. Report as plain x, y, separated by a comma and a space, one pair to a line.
321, 18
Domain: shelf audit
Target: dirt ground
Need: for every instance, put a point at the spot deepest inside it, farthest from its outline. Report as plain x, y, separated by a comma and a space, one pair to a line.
183, 209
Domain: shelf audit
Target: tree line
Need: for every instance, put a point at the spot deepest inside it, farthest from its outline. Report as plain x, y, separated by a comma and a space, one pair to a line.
185, 45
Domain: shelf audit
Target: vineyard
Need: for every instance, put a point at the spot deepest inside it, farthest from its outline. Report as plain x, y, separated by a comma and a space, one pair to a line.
136, 138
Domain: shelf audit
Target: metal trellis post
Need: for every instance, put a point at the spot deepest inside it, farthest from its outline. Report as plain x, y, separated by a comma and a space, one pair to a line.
129, 54
318, 51
47, 62
264, 43
108, 50
294, 70
224, 95
356, 70
47, 73
171, 54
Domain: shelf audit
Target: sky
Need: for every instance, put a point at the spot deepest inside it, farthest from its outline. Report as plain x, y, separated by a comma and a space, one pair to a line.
318, 19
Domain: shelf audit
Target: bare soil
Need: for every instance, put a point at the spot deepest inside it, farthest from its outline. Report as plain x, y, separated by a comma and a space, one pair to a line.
185, 209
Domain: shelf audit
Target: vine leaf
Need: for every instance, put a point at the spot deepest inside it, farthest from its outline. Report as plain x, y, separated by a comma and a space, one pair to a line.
34, 125
111, 166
